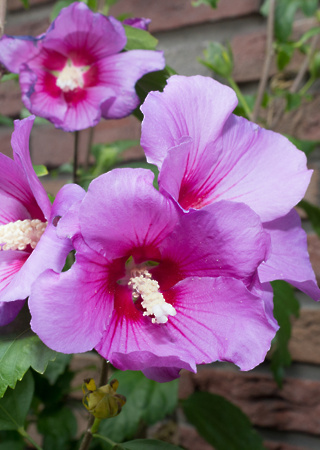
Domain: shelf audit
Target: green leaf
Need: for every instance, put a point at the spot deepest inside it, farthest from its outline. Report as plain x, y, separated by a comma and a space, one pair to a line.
107, 155
309, 7
148, 444
25, 3
315, 65
58, 426
4, 120
305, 146
285, 305
40, 170
284, 54
293, 100
221, 423
139, 39
24, 113
15, 404
218, 58
250, 99
147, 401
57, 367
307, 35
21, 349
212, 3
10, 76
313, 213
12, 445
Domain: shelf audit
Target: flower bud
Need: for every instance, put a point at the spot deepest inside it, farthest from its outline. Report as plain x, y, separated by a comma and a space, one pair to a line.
102, 402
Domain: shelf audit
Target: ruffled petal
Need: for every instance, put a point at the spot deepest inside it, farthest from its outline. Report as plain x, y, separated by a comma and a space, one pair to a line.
21, 154
70, 311
289, 259
219, 319
131, 213
17, 50
121, 72
223, 239
195, 106
85, 36
132, 342
85, 111
50, 252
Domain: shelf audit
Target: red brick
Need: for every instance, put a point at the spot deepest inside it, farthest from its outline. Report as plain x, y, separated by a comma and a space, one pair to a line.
10, 98
305, 338
168, 14
249, 53
314, 252
296, 407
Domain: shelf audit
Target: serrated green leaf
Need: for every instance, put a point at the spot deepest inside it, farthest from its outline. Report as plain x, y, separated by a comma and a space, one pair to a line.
285, 306
313, 213
139, 39
40, 170
15, 404
21, 349
147, 401
221, 423
212, 3
148, 444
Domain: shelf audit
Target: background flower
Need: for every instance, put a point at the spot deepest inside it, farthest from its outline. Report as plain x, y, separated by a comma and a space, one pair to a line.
28, 240
74, 73
206, 154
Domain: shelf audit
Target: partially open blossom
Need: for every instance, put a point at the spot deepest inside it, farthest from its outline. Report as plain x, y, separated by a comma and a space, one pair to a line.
137, 22
153, 288
206, 154
76, 72
28, 240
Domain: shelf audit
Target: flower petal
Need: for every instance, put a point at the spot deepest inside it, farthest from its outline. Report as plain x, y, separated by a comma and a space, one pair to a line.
71, 310
17, 50
131, 212
189, 106
219, 319
21, 154
9, 311
11, 262
121, 72
85, 36
223, 239
50, 252
289, 259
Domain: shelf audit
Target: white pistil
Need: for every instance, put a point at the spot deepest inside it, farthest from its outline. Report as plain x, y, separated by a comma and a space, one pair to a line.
70, 78
153, 301
18, 235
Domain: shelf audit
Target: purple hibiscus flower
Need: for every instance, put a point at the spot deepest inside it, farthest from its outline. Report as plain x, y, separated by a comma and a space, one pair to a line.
28, 240
153, 288
138, 22
206, 154
75, 72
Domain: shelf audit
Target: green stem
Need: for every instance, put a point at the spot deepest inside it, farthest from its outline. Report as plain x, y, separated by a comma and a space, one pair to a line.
109, 441
95, 426
307, 86
240, 96
75, 157
24, 434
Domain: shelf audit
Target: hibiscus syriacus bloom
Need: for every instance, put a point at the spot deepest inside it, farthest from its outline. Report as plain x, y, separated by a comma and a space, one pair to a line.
206, 154
153, 288
74, 73
28, 240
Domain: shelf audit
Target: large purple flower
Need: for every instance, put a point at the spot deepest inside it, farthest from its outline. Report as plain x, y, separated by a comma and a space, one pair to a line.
75, 72
153, 288
28, 239
206, 154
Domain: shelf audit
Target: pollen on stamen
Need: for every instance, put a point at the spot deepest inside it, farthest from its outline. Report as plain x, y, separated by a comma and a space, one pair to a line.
18, 235
152, 300
70, 78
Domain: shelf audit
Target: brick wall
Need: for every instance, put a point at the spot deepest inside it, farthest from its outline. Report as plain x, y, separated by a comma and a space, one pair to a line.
289, 418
